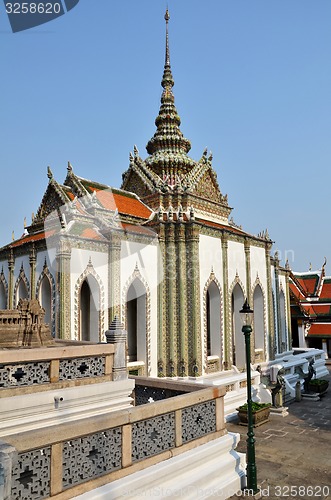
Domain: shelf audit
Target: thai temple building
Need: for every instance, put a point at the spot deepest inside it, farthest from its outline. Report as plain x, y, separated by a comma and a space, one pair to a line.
121, 348
311, 309
161, 253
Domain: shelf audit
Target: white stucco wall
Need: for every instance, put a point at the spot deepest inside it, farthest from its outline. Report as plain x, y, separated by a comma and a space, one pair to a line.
258, 266
211, 258
236, 263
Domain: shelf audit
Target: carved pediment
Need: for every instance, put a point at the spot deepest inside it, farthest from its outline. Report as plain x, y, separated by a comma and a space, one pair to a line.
53, 199
135, 183
207, 188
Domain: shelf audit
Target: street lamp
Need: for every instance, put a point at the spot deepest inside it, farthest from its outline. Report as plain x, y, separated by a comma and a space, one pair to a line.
246, 316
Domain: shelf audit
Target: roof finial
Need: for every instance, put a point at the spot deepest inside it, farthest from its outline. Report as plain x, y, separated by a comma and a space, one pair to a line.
167, 80
167, 55
168, 138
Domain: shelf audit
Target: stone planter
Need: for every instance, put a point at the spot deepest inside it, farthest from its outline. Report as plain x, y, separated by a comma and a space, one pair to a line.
260, 416
319, 386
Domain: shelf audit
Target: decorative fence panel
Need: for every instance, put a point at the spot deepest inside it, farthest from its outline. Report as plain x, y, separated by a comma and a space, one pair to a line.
31, 475
81, 367
91, 456
152, 436
17, 375
63, 460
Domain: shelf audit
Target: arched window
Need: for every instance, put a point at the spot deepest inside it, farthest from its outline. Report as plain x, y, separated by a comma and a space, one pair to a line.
45, 298
89, 310
22, 291
238, 344
213, 311
282, 310
259, 326
136, 321
3, 296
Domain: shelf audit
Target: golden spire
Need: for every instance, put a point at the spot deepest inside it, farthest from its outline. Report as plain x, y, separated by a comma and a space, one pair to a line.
167, 55
168, 137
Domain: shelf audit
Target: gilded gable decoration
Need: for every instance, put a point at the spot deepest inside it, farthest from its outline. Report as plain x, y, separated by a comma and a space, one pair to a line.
54, 198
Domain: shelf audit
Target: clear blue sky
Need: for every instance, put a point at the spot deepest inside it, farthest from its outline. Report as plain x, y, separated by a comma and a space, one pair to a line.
252, 83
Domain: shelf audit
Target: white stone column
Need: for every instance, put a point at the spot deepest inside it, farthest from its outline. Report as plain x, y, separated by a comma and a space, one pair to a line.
325, 348
118, 336
7, 456
301, 335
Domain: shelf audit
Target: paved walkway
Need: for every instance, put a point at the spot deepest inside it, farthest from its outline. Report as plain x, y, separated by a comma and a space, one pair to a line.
293, 453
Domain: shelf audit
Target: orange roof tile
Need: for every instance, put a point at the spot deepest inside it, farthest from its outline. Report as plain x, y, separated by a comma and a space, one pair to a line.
125, 204
316, 309
296, 292
326, 290
90, 233
308, 283
321, 308
320, 329
32, 237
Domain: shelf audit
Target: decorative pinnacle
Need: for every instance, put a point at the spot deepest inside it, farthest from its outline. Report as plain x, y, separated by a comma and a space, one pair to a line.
167, 80
168, 138
167, 55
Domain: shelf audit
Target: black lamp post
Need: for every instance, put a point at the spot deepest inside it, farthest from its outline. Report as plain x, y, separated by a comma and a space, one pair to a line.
246, 315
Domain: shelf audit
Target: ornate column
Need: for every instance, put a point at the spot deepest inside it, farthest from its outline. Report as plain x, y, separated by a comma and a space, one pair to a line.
161, 317
118, 336
277, 296
247, 249
32, 260
271, 322
181, 287
288, 308
11, 267
114, 276
170, 280
226, 306
194, 306
63, 288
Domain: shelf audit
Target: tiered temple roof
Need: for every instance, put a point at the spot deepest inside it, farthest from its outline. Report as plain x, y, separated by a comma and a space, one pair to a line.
311, 300
168, 172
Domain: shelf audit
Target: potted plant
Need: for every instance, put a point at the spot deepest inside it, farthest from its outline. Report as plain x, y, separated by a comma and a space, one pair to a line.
318, 385
260, 412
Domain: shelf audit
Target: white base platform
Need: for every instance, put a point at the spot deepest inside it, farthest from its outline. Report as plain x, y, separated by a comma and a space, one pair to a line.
213, 469
41, 409
279, 412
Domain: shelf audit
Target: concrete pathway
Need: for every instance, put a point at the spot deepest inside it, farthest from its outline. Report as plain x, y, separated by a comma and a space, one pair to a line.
293, 453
